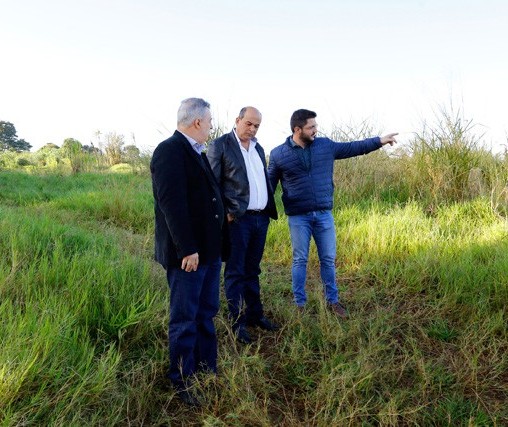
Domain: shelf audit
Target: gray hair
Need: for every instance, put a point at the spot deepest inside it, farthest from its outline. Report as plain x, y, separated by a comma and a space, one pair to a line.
190, 110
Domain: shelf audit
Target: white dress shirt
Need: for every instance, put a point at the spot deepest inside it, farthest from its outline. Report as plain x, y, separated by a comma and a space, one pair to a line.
256, 175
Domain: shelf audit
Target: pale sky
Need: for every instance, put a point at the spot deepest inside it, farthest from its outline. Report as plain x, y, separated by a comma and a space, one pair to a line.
69, 68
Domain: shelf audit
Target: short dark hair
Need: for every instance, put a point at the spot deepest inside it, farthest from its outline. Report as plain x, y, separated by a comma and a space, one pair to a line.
299, 118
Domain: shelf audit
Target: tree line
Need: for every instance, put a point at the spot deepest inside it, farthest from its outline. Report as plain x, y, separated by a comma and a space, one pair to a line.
110, 150
9, 139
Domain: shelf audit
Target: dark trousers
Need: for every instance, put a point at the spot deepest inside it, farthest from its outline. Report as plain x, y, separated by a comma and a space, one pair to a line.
194, 302
241, 273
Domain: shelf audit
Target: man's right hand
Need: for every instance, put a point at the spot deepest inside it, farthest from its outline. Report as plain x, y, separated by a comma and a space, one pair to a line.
190, 262
231, 217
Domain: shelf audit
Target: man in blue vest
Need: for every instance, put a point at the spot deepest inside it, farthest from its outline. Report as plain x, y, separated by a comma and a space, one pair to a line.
304, 166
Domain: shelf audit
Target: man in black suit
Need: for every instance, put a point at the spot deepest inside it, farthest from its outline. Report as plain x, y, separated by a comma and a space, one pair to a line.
239, 165
189, 235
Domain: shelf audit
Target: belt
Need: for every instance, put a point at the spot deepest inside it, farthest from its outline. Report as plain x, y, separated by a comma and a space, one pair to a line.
255, 212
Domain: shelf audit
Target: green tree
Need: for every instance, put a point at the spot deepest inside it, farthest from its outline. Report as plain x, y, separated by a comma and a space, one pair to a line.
73, 150
91, 149
9, 140
49, 155
131, 153
49, 146
71, 147
113, 148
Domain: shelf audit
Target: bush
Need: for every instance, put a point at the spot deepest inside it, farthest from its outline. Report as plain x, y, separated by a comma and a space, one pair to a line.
445, 162
23, 162
444, 154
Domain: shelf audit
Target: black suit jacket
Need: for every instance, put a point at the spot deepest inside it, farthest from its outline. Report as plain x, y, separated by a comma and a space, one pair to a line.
189, 210
229, 168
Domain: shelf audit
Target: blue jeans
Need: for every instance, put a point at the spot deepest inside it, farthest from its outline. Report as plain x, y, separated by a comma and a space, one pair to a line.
194, 302
241, 273
319, 225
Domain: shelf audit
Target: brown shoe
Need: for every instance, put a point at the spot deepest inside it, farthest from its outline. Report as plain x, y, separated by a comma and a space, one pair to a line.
338, 309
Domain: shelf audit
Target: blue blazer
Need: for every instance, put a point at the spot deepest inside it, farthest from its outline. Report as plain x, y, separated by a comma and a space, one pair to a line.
307, 188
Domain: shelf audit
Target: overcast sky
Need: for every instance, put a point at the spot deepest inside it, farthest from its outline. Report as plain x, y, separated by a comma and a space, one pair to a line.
70, 68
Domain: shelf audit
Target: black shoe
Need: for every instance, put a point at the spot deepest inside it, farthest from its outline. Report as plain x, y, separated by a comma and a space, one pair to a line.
264, 323
242, 335
188, 398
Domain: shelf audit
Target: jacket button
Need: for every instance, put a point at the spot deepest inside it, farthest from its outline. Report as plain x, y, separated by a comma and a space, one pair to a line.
216, 216
214, 199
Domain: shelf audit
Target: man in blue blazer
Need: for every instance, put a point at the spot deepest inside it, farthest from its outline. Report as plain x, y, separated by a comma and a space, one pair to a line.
190, 227
304, 166
239, 165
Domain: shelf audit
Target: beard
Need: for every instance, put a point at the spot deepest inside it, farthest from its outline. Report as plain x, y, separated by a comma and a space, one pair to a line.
307, 140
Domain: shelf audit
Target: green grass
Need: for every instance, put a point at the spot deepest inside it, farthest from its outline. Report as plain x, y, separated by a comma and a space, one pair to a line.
84, 314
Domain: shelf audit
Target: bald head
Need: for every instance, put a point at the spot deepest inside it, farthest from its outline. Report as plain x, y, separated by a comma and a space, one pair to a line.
247, 123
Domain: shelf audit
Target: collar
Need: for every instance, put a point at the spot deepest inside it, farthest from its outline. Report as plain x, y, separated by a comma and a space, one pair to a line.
253, 140
295, 145
197, 147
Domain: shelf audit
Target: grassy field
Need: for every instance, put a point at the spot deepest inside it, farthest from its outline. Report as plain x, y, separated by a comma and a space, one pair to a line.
84, 313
